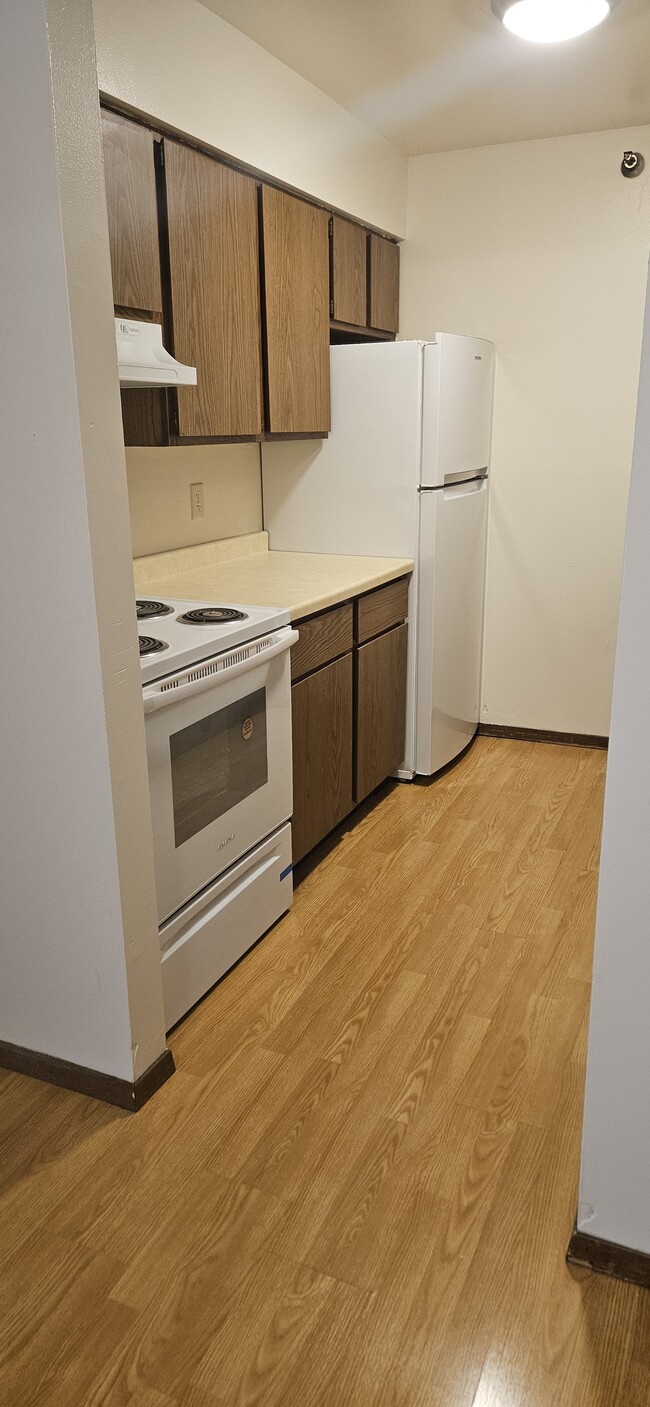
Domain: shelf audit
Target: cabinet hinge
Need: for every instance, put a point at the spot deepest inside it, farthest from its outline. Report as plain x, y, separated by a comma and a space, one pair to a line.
331, 307
330, 226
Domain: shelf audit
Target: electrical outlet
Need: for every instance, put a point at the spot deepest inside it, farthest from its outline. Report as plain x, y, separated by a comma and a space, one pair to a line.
196, 499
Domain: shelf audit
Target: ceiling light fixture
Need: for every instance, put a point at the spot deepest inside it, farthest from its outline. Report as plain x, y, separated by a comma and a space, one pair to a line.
550, 21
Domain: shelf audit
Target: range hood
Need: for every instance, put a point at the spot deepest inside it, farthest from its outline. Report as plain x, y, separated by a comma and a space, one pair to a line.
142, 359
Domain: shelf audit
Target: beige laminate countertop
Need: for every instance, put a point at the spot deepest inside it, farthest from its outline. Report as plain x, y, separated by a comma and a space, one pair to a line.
304, 582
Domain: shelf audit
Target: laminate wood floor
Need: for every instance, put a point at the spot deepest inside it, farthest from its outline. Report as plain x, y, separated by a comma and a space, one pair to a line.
358, 1189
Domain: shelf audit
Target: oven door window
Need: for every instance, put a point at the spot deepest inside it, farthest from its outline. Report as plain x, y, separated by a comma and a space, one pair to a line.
216, 763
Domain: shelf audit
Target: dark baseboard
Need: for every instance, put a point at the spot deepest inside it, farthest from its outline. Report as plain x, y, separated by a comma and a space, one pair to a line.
607, 1258
126, 1094
152, 1079
541, 735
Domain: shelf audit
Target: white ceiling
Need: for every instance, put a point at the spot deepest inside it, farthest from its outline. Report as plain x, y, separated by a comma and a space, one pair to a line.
438, 75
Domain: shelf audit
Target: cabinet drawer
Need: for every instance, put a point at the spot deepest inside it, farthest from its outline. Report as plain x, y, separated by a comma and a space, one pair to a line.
321, 639
382, 608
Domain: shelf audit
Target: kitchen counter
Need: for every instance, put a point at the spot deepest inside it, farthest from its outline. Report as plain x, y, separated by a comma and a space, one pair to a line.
243, 571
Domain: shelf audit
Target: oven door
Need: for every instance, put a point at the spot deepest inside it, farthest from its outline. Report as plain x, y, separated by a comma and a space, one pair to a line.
219, 756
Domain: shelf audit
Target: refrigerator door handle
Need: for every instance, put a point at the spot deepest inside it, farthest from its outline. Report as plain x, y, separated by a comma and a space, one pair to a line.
464, 478
453, 481
465, 488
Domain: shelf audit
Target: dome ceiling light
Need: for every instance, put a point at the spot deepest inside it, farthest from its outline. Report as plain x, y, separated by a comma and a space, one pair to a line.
550, 21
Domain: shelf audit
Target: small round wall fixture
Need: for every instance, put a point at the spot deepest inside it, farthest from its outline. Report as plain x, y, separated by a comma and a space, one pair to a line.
633, 163
551, 21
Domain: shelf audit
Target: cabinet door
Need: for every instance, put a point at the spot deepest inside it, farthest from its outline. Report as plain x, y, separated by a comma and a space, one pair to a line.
215, 294
322, 753
132, 215
381, 709
296, 275
384, 284
349, 269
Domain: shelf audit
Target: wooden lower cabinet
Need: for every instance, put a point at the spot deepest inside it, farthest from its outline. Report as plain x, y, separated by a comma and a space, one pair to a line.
322, 711
381, 709
348, 708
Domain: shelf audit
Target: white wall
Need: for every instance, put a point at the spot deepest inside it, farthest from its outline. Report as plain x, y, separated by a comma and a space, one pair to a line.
614, 1202
542, 247
182, 64
80, 970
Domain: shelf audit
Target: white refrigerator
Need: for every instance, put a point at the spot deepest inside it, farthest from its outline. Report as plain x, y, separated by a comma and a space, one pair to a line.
404, 473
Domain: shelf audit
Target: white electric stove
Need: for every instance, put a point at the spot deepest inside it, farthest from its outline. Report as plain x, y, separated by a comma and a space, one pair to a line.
217, 700
176, 633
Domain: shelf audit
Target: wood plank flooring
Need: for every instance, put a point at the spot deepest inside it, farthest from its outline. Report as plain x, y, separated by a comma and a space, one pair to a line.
358, 1189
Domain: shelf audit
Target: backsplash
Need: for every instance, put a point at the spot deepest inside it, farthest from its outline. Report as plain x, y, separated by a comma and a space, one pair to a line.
159, 495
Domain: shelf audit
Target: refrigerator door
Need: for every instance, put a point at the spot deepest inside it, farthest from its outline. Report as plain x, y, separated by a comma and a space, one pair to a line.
453, 523
457, 414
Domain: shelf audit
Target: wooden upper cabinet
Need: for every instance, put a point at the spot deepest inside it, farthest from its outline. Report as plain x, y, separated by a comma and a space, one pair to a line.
215, 293
383, 312
349, 272
296, 274
132, 215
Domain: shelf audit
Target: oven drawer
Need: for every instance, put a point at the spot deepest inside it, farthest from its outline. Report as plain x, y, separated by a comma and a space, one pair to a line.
201, 943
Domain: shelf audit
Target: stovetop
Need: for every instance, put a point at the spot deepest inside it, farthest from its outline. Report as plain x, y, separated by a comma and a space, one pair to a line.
179, 633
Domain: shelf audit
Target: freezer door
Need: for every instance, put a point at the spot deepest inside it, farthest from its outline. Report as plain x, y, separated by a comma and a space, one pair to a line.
457, 408
453, 524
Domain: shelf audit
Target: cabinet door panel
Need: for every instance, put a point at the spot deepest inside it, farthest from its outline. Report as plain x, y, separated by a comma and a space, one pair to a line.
384, 284
322, 753
296, 274
132, 214
381, 709
349, 269
144, 417
215, 296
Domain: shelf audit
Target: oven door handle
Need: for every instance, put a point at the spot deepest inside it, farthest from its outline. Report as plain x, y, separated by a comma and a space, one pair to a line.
161, 695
